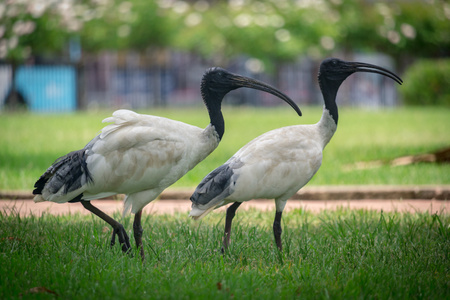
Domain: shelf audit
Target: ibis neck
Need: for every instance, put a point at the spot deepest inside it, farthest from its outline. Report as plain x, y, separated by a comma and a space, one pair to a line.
327, 127
329, 92
213, 102
216, 120
331, 106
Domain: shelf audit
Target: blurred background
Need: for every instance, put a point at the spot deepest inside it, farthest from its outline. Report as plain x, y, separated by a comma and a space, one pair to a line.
67, 55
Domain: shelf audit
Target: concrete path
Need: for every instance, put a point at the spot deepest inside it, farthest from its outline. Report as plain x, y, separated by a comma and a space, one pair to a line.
27, 207
430, 199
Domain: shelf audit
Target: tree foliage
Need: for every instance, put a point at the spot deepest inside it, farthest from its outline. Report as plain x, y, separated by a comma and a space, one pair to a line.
268, 30
42, 27
281, 29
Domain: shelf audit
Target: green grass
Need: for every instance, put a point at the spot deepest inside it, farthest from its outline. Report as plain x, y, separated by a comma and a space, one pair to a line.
344, 254
29, 143
333, 254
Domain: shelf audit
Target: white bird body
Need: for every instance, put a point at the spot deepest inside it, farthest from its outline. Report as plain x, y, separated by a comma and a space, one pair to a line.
280, 162
274, 165
138, 155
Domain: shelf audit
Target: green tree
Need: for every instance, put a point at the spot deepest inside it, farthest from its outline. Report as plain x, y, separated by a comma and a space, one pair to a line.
31, 29
281, 30
397, 28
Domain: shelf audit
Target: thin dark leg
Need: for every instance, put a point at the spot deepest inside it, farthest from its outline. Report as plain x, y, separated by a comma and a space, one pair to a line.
277, 230
231, 211
117, 227
137, 230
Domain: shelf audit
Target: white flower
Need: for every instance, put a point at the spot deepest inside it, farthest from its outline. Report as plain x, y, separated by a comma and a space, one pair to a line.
193, 19
254, 65
393, 36
408, 31
180, 7
13, 42
243, 20
283, 35
201, 6
327, 42
276, 21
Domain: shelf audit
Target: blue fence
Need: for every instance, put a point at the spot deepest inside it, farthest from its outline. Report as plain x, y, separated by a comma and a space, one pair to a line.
50, 88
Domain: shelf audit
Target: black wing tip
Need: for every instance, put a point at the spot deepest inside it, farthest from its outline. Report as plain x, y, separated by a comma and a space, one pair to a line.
213, 185
196, 197
193, 199
70, 168
40, 184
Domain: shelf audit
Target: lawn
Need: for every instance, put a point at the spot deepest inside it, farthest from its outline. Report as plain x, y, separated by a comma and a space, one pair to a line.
29, 143
344, 254
332, 254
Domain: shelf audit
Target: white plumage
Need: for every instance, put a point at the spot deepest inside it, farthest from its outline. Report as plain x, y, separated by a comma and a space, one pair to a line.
141, 155
278, 163
274, 165
138, 155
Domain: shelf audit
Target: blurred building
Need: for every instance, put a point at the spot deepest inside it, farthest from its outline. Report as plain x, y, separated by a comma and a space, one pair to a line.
171, 78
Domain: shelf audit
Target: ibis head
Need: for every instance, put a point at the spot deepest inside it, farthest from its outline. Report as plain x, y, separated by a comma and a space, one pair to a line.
217, 82
334, 71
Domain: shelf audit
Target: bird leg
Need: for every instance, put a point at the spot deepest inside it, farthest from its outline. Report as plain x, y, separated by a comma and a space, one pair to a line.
117, 227
277, 230
231, 211
137, 230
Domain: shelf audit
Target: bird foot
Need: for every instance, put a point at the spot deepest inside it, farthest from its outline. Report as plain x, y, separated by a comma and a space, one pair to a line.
124, 240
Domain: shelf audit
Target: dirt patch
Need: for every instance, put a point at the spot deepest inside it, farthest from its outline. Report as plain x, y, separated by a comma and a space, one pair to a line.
28, 207
315, 198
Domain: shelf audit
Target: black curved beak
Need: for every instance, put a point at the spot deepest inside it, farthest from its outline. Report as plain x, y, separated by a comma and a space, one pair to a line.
363, 67
242, 81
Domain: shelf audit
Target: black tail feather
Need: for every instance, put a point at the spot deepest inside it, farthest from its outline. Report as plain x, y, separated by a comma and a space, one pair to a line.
66, 171
212, 185
39, 185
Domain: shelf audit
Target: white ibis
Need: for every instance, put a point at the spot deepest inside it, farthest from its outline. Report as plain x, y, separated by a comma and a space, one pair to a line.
278, 163
141, 155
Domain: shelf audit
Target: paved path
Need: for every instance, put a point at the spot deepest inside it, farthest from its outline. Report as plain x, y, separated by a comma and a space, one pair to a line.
387, 198
27, 207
